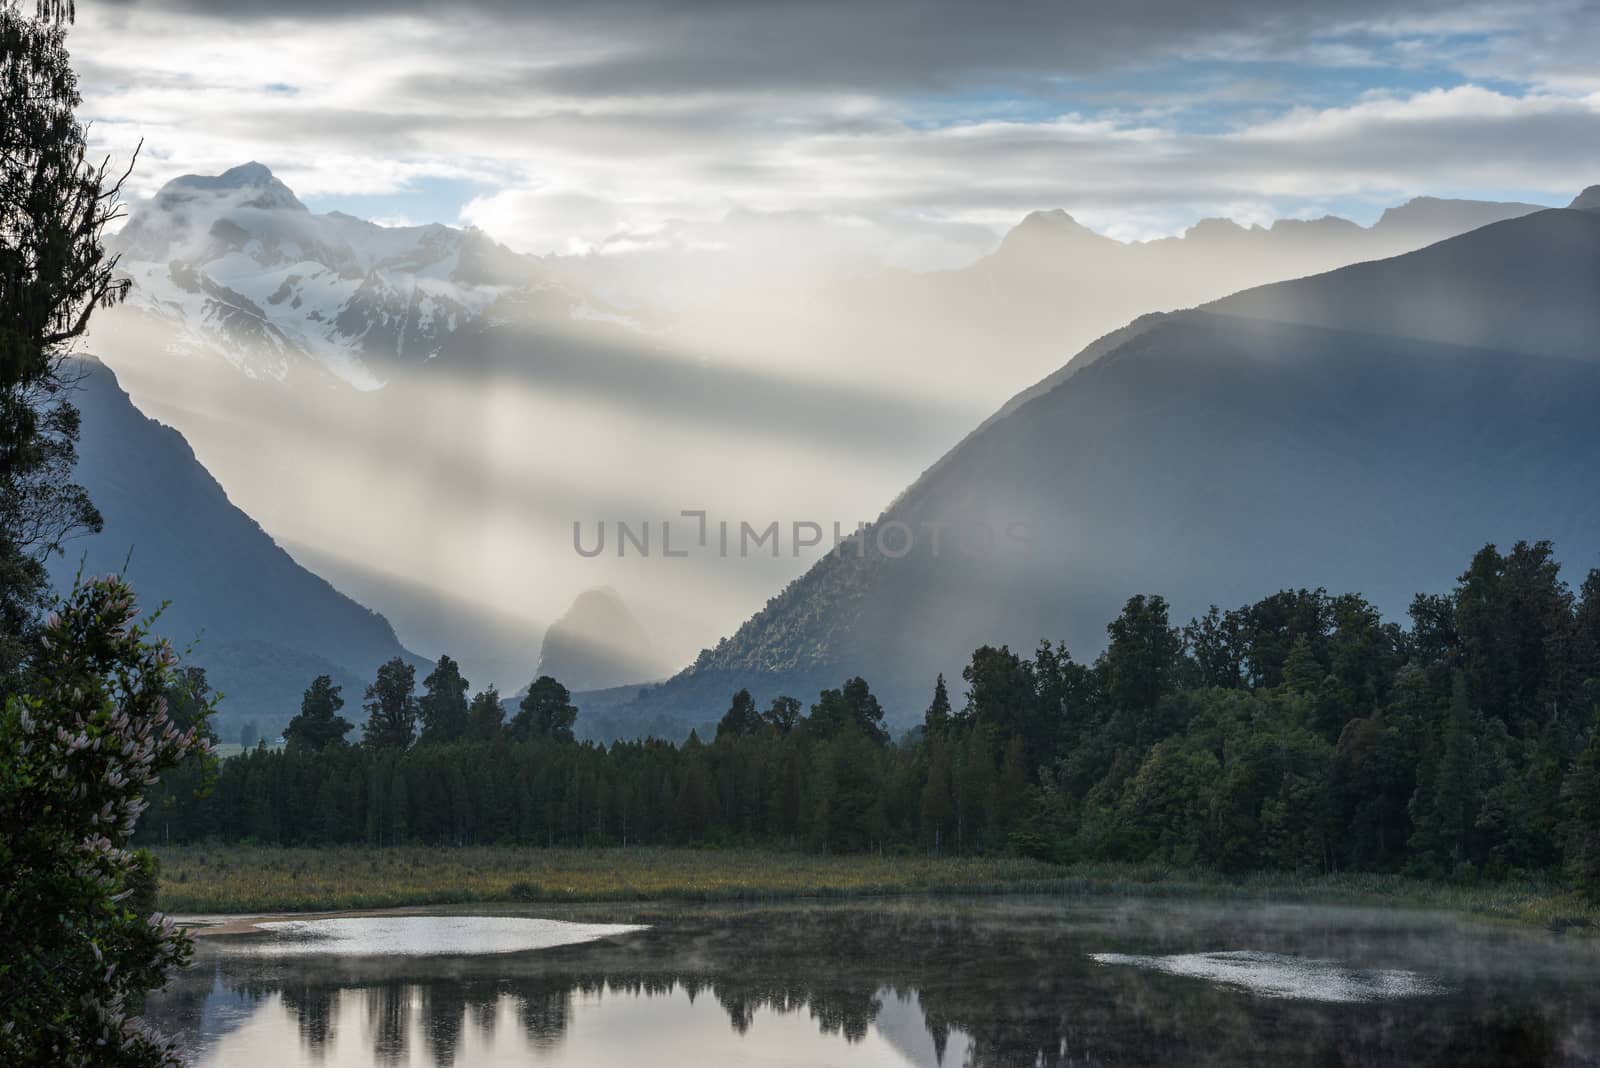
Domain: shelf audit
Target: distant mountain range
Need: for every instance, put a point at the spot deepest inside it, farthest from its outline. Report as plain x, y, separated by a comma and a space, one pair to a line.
238, 269
532, 404
1053, 286
421, 413
268, 334
241, 269
1365, 430
260, 624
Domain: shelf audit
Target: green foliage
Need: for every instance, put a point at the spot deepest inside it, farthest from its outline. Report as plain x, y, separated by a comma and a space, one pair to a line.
443, 708
1581, 795
850, 805
392, 706
1216, 643
546, 712
318, 724
937, 719
485, 716
1310, 737
783, 714
79, 748
1001, 692
1142, 661
936, 805
54, 207
849, 708
741, 719
1303, 672
91, 713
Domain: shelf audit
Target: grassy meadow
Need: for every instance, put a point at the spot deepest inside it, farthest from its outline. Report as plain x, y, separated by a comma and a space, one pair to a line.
239, 879
246, 879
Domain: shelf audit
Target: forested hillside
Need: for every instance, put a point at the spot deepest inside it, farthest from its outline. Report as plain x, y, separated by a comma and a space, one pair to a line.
1301, 732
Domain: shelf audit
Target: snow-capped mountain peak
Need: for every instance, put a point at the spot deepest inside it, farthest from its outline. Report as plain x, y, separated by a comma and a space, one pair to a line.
239, 266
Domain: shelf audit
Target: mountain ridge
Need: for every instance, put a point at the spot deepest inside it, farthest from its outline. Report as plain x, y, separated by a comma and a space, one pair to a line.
235, 263
264, 626
396, 371
1390, 445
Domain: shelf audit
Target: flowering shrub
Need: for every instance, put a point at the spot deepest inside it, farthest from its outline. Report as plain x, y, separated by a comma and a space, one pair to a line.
78, 751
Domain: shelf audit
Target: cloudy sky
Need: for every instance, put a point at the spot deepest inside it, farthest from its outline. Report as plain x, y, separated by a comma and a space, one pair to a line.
918, 130
727, 156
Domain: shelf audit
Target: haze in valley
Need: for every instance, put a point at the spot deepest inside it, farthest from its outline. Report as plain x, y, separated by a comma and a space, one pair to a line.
441, 286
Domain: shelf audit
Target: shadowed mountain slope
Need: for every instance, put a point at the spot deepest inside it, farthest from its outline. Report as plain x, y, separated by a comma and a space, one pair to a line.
264, 625
1363, 430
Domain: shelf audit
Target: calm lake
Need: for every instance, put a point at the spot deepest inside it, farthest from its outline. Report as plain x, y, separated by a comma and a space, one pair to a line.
946, 982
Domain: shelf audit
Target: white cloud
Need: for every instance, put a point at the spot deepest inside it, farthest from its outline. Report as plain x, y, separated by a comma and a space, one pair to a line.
372, 106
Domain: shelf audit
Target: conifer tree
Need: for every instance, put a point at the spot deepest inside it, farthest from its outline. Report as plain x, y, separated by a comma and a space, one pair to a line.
443, 706
392, 706
783, 714
1301, 672
1446, 818
936, 804
485, 716
318, 724
546, 712
741, 719
937, 719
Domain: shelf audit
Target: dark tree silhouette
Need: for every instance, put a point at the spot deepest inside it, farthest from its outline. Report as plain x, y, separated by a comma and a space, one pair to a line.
546, 712
443, 707
741, 719
485, 716
392, 706
937, 719
318, 725
783, 714
850, 707
54, 272
1338, 744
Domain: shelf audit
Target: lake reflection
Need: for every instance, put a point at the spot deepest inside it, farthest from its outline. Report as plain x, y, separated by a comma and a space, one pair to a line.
935, 982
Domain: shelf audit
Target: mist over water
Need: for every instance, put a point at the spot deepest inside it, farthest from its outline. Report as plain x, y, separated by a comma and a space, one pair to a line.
1277, 975
943, 982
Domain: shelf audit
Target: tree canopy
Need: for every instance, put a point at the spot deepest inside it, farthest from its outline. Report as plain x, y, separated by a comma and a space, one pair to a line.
318, 724
1302, 732
545, 712
392, 707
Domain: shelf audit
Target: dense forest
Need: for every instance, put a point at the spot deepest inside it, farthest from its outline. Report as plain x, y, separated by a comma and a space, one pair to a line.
1302, 732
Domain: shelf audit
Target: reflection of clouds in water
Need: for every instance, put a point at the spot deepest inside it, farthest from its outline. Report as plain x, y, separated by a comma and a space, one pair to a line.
423, 936
589, 1022
922, 1038
1276, 975
935, 984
